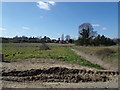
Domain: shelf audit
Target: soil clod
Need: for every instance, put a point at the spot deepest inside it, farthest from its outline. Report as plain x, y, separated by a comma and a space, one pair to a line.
57, 74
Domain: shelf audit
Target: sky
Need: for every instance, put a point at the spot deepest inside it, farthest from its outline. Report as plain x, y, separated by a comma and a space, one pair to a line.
53, 19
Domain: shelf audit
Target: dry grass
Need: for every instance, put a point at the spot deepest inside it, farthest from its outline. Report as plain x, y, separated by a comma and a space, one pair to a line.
105, 51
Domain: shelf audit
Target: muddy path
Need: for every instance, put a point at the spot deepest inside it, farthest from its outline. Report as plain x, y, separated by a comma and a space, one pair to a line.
95, 60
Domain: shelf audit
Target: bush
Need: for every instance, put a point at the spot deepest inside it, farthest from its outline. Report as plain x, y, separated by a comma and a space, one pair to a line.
97, 41
44, 46
105, 51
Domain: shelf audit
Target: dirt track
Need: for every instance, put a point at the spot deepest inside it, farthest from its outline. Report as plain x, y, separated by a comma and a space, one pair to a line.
95, 60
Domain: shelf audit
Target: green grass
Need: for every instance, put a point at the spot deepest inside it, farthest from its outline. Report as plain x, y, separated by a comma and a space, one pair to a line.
32, 50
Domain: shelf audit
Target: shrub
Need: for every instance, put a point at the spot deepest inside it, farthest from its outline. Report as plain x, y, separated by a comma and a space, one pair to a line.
44, 46
105, 51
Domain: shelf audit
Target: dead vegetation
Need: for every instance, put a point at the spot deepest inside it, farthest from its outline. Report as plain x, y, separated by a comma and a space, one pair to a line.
44, 46
105, 51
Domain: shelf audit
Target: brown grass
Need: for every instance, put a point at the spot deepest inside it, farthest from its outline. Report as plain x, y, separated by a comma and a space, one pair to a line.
105, 51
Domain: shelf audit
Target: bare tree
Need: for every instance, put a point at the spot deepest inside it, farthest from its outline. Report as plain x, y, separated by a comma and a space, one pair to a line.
86, 30
86, 34
67, 37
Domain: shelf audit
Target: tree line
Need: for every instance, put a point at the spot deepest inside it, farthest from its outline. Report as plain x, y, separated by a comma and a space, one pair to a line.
89, 37
86, 37
45, 39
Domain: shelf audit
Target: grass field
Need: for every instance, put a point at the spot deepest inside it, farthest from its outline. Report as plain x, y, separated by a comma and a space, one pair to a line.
105, 53
35, 50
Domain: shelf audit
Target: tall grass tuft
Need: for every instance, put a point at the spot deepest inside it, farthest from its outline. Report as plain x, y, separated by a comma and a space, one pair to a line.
105, 51
44, 46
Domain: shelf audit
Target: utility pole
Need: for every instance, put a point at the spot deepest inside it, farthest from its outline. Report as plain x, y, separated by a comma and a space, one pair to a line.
62, 38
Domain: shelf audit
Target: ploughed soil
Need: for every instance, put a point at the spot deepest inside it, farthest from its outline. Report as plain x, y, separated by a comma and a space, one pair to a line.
59, 74
50, 73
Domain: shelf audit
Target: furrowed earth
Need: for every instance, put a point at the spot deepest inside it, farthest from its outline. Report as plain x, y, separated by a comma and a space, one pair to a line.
51, 73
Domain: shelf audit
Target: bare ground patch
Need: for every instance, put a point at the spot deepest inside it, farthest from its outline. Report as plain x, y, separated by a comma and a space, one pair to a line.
38, 63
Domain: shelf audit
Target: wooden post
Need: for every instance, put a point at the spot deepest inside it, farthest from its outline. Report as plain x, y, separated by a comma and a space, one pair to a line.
1, 57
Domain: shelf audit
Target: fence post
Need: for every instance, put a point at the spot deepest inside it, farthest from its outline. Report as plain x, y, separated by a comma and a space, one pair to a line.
1, 57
